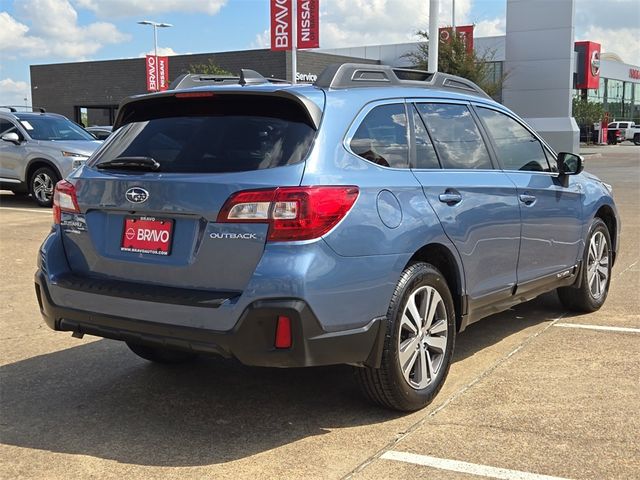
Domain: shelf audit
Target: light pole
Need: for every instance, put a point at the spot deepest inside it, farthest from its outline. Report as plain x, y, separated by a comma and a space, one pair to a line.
155, 26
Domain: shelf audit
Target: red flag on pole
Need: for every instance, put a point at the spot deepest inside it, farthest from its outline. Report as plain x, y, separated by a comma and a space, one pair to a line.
281, 38
308, 23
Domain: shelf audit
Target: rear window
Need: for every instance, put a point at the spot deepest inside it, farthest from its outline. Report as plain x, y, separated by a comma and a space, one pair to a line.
229, 133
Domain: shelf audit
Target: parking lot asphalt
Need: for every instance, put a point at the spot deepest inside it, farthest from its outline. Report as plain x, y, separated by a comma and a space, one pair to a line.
531, 392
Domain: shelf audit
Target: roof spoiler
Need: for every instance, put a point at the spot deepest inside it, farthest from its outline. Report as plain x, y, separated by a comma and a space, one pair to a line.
350, 75
247, 77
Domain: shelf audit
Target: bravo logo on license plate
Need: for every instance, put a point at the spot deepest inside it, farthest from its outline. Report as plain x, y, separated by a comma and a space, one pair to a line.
147, 235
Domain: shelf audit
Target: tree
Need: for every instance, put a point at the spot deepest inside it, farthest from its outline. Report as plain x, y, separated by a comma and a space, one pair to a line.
454, 58
586, 114
209, 68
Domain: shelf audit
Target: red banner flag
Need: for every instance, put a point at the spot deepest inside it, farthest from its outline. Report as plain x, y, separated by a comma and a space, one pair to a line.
157, 73
308, 23
152, 73
281, 38
465, 32
163, 73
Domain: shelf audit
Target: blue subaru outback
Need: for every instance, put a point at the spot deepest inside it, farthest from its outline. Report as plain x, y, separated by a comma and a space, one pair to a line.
363, 220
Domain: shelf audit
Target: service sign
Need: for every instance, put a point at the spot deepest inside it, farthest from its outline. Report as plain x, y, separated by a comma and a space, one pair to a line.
308, 23
157, 73
465, 32
281, 27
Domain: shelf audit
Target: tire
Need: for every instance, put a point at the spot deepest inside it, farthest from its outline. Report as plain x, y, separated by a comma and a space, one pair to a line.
594, 281
161, 355
413, 388
41, 185
636, 139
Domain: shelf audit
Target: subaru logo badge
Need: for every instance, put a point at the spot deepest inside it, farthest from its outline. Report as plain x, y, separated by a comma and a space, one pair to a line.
137, 195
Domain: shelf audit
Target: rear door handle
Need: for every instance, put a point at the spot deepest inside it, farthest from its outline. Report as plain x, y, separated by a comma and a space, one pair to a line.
527, 199
450, 198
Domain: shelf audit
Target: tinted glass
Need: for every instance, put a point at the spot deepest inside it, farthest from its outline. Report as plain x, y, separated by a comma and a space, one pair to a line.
53, 128
382, 137
5, 125
213, 144
516, 147
425, 153
456, 136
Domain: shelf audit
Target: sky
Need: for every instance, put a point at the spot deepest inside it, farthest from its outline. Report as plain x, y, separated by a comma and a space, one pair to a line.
54, 31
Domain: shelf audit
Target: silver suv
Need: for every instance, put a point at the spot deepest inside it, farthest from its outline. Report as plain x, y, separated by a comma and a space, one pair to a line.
38, 149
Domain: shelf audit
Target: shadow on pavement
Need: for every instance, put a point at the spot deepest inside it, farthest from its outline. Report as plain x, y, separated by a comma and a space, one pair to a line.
8, 199
98, 399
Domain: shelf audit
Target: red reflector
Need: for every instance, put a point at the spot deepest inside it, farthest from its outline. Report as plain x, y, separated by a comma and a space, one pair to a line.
194, 94
283, 332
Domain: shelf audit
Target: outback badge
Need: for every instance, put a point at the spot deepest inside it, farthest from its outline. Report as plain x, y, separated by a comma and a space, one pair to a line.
137, 195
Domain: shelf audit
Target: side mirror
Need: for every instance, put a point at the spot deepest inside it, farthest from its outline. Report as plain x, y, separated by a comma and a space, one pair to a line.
11, 137
570, 163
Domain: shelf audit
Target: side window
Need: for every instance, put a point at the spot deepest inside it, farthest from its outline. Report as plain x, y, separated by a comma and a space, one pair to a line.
516, 147
382, 137
456, 136
5, 126
425, 153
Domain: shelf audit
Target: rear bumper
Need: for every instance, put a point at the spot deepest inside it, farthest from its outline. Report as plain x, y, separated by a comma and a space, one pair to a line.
251, 341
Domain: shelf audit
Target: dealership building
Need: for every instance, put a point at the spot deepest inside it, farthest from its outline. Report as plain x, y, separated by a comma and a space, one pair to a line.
538, 55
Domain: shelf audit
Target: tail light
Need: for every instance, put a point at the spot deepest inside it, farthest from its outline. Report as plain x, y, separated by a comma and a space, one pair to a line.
64, 200
293, 213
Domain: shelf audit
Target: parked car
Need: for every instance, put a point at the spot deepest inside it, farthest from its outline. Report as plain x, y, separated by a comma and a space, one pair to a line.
38, 149
101, 133
366, 220
628, 131
614, 136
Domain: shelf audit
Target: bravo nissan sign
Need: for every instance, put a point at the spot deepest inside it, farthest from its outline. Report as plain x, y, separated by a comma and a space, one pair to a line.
307, 24
157, 73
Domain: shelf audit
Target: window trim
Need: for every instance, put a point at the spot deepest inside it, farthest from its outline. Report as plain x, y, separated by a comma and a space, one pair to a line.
359, 118
545, 146
487, 141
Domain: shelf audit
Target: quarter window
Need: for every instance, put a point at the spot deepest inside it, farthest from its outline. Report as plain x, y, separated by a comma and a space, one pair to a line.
425, 153
381, 138
456, 136
516, 147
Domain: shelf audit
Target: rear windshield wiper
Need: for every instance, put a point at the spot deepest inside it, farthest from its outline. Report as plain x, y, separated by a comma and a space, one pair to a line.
130, 163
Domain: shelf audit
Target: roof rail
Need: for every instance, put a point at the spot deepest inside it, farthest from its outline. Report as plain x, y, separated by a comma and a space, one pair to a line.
351, 75
12, 108
247, 77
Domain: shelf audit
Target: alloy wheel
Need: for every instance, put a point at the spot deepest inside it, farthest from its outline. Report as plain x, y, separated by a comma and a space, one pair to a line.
598, 265
43, 187
422, 342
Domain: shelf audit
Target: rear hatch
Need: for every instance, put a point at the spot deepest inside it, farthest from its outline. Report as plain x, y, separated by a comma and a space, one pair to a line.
150, 197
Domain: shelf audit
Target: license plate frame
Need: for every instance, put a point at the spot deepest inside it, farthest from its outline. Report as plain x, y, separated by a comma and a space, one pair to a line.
151, 243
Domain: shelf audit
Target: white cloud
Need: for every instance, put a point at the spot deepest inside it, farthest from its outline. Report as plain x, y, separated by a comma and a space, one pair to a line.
13, 92
128, 8
162, 52
623, 41
346, 23
54, 31
490, 28
262, 40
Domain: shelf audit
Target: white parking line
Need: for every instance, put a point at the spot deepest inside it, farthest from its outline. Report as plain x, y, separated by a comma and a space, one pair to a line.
48, 212
598, 327
464, 467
